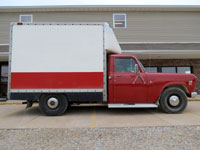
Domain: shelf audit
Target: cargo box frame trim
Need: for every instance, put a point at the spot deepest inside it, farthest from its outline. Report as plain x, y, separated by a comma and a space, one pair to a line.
104, 90
54, 90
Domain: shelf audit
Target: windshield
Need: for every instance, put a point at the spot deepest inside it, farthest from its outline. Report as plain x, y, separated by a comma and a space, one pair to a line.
141, 65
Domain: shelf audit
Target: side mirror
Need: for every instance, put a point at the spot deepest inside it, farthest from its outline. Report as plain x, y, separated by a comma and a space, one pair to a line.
136, 69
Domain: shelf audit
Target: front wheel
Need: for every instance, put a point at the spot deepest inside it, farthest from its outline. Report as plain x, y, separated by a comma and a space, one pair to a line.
173, 100
53, 104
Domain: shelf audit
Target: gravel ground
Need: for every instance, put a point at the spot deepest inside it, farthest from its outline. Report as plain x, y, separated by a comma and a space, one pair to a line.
152, 138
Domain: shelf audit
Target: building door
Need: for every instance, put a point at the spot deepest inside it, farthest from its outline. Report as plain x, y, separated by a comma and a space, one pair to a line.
3, 80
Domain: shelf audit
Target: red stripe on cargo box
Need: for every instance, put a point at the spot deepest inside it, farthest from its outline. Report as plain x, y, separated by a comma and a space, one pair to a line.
66, 80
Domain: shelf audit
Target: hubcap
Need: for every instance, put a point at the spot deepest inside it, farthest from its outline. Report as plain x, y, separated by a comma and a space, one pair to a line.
52, 102
174, 100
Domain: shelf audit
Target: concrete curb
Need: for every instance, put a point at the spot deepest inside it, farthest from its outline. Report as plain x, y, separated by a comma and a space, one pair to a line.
11, 102
193, 99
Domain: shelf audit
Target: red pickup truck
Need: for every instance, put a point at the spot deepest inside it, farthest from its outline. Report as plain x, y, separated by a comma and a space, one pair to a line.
129, 83
58, 64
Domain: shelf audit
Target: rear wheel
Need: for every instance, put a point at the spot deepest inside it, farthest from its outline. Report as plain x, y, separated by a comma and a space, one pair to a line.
53, 104
173, 100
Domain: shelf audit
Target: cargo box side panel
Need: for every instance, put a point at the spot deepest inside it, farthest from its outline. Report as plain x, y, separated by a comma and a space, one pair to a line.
57, 57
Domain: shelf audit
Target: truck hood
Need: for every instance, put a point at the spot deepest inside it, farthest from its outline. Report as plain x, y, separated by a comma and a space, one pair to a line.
167, 79
172, 76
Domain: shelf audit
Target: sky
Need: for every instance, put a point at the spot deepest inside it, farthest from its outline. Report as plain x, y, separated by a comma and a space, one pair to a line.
97, 2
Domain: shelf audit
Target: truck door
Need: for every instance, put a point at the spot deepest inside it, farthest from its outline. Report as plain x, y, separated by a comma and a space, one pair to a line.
129, 87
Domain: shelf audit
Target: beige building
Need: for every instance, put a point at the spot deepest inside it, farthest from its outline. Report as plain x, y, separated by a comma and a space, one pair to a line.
165, 38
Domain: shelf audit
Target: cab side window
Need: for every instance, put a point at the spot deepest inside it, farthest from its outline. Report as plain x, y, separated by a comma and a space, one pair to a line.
124, 65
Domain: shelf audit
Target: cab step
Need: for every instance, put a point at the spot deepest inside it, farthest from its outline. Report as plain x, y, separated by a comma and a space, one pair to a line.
132, 106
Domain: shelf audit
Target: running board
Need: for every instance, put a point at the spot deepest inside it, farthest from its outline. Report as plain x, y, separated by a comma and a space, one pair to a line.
132, 106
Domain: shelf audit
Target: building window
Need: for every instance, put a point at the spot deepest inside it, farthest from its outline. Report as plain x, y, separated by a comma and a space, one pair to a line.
184, 70
4, 73
26, 18
119, 20
151, 69
169, 69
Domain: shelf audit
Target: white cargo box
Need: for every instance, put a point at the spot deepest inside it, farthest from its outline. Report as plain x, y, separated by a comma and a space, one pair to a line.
64, 57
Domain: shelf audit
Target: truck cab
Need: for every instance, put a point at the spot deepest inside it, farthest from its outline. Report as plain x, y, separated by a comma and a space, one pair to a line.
130, 84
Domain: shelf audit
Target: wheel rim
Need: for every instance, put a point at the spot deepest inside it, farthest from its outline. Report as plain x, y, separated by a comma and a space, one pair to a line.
174, 100
52, 102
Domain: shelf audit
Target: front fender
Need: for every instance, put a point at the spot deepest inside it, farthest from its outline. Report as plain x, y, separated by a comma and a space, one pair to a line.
174, 84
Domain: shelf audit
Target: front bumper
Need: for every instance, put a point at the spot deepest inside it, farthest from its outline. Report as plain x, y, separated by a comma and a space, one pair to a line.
193, 94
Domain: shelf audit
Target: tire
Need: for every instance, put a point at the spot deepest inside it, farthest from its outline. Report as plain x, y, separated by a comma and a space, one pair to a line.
173, 100
53, 104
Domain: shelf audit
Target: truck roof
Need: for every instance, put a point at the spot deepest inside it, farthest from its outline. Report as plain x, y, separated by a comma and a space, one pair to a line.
124, 55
